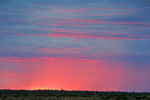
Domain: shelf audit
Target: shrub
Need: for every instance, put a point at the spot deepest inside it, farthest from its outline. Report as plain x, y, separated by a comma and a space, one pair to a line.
122, 97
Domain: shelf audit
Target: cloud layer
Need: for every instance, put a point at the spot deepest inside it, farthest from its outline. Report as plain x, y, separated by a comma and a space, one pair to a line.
82, 36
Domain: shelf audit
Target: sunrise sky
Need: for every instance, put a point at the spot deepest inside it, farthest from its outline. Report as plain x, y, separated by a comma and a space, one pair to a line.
99, 45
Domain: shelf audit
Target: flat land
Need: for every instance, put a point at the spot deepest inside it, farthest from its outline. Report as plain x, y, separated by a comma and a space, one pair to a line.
70, 95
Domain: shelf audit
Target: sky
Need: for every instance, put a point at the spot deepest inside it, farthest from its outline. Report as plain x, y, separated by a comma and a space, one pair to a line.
98, 45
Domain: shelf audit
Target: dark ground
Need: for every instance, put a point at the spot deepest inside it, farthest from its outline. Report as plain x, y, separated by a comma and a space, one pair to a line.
70, 95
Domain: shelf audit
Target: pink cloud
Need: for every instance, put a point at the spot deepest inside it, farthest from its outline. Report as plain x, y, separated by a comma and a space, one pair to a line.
43, 59
102, 22
69, 10
98, 36
84, 34
62, 49
110, 14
